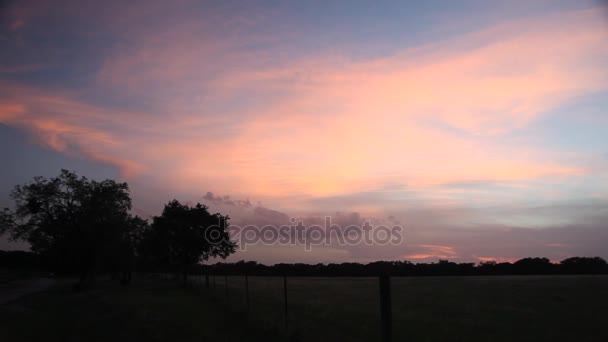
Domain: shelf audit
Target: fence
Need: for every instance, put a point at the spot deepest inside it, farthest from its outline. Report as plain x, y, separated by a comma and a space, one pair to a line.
481, 308
272, 290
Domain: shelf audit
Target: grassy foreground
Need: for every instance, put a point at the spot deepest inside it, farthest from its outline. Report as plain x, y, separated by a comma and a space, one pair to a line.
503, 308
151, 310
514, 308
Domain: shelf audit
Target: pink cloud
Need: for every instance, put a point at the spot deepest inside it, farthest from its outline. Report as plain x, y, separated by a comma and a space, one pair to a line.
435, 252
326, 126
67, 126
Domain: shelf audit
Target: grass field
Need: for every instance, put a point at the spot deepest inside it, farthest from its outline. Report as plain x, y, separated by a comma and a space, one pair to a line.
151, 310
531, 308
507, 308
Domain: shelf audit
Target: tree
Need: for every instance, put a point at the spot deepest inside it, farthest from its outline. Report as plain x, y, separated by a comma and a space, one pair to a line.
182, 236
122, 256
69, 221
583, 265
533, 266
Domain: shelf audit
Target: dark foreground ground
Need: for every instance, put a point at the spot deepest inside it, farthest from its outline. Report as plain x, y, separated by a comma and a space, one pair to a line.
533, 308
152, 310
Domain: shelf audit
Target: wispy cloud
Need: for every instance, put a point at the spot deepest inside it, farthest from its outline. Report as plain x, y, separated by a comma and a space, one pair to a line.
326, 125
70, 127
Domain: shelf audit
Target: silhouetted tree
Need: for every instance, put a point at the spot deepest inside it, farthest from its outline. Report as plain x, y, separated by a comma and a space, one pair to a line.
533, 266
182, 236
583, 265
123, 254
69, 220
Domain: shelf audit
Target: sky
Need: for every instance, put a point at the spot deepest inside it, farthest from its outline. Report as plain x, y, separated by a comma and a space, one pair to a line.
477, 126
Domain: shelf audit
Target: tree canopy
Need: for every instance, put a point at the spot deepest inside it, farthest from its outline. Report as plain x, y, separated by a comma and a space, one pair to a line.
182, 236
71, 221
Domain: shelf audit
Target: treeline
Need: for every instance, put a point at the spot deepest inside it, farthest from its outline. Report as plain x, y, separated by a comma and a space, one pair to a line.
526, 266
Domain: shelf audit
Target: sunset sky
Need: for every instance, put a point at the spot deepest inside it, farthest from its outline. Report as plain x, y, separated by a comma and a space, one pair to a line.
479, 126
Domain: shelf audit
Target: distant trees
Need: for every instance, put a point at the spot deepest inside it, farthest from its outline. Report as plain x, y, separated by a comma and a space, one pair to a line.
182, 236
583, 265
533, 266
71, 222
576, 265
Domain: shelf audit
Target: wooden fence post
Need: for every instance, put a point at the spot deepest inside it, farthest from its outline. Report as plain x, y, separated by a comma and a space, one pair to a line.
285, 302
385, 308
247, 293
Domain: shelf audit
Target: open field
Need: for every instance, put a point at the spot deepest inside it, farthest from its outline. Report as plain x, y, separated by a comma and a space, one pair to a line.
522, 308
505, 308
149, 311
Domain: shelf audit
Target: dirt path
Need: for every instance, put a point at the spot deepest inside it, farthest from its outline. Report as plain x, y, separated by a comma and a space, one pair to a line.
15, 289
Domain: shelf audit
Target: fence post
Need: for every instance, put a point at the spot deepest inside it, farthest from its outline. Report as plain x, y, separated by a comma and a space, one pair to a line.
285, 302
385, 308
247, 293
226, 285
214, 285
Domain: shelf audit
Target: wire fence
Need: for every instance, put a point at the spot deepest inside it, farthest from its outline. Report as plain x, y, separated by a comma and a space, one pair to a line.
307, 306
415, 308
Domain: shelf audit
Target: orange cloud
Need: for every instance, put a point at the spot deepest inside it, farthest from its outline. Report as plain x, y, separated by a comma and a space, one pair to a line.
496, 259
432, 252
67, 126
